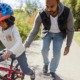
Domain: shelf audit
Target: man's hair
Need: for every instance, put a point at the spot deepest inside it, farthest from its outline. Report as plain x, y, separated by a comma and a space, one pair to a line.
10, 21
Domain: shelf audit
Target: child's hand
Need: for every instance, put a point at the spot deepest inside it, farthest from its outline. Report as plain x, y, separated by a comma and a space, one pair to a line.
6, 55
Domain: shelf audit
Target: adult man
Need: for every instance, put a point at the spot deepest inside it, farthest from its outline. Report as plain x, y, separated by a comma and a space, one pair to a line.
57, 21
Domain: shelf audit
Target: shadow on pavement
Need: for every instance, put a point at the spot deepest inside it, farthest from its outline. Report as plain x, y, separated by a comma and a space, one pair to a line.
58, 77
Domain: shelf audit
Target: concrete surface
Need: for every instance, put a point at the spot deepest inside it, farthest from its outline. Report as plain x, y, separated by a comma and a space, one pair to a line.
69, 66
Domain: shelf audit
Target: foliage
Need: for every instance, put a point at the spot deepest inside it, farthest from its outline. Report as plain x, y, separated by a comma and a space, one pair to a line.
1, 46
75, 6
30, 7
24, 23
77, 21
76, 37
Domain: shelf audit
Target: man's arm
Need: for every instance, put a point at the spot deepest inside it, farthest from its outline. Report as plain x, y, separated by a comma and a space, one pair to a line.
70, 29
70, 32
34, 31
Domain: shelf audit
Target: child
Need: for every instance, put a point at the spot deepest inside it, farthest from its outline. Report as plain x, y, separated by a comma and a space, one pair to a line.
11, 39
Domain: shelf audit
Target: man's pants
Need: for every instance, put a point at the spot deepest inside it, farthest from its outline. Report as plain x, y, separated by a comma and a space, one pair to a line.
57, 40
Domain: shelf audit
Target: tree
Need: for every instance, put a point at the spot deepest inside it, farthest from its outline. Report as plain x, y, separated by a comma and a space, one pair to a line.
20, 4
31, 7
77, 17
72, 4
75, 6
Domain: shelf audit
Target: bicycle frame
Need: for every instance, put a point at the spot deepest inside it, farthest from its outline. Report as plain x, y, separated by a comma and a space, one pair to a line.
10, 70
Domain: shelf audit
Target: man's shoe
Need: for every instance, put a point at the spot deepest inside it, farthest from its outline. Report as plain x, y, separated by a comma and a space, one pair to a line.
45, 69
53, 77
32, 76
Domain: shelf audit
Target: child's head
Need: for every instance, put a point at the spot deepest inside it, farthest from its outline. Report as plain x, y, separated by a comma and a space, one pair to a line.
6, 18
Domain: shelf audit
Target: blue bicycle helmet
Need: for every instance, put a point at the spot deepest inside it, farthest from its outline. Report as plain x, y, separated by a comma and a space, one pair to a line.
5, 11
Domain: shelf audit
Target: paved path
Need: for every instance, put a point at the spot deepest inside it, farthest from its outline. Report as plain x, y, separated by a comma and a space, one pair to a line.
68, 69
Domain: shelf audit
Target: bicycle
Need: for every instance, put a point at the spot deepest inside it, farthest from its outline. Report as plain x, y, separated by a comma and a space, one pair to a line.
13, 72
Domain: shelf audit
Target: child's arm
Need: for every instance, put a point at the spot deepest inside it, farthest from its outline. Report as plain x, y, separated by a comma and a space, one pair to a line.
18, 47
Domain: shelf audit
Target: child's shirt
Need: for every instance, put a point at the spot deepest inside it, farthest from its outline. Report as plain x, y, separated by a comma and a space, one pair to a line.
11, 40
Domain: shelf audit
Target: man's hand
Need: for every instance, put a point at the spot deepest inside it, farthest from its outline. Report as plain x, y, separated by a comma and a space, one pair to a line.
6, 54
26, 45
66, 50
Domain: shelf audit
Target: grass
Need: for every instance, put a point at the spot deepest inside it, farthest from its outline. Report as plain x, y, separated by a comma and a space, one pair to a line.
77, 37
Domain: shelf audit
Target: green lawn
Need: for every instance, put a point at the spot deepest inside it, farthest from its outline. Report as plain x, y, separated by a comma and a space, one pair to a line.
77, 37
